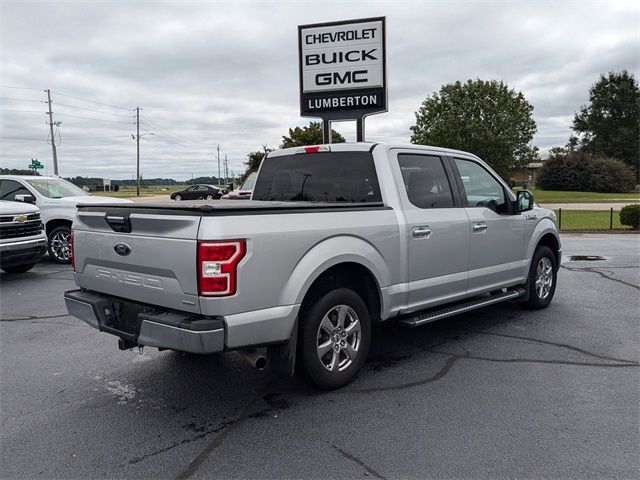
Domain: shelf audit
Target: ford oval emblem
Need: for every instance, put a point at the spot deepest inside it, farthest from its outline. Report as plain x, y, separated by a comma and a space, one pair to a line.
122, 249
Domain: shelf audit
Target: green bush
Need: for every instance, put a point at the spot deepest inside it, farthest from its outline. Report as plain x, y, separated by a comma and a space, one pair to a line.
630, 215
580, 172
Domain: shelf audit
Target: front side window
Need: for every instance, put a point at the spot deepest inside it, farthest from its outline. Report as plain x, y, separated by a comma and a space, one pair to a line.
482, 189
319, 177
10, 188
56, 188
425, 180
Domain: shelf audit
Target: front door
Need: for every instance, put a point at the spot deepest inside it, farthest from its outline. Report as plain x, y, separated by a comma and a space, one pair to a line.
437, 231
497, 249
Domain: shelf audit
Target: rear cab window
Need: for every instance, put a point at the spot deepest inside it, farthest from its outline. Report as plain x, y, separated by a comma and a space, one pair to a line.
425, 181
319, 177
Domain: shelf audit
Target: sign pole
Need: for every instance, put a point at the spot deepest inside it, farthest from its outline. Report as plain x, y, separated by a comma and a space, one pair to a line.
360, 129
326, 130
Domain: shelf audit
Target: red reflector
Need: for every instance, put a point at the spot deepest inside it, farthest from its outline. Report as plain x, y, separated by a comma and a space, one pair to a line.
314, 149
218, 266
73, 257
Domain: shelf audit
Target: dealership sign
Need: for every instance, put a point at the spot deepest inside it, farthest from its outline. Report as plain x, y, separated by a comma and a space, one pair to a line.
343, 69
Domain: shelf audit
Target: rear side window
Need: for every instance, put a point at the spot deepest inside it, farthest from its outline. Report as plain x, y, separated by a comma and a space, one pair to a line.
425, 180
319, 177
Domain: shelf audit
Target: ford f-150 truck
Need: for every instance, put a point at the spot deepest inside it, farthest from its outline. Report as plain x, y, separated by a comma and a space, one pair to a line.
335, 239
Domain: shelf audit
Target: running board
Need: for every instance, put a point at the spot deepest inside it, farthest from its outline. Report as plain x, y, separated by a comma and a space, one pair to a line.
431, 315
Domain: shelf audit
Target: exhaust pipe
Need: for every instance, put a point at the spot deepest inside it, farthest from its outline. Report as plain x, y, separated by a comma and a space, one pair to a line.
255, 359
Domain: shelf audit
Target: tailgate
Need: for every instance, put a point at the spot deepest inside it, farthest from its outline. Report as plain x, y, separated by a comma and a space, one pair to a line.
145, 256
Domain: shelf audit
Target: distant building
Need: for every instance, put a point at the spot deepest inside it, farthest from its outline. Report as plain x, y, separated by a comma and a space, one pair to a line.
529, 175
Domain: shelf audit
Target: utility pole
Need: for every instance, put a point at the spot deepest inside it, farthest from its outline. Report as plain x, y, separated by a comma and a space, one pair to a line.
138, 151
218, 163
53, 139
226, 169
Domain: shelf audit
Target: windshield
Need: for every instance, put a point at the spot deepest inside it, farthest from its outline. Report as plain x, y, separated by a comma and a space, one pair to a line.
56, 187
249, 182
319, 177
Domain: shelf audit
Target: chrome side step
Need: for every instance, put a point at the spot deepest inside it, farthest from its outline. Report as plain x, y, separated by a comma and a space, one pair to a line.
431, 315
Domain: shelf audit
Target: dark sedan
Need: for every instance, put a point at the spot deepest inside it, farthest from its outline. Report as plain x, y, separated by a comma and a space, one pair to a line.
198, 192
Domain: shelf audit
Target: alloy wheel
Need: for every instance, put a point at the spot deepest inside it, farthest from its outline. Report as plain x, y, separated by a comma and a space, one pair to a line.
338, 338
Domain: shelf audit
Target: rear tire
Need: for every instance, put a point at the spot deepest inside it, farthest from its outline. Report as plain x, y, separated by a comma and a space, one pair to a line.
58, 244
19, 268
209, 197
543, 278
335, 334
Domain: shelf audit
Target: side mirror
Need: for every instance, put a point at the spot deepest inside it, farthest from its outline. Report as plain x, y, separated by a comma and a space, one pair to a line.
524, 201
230, 187
25, 198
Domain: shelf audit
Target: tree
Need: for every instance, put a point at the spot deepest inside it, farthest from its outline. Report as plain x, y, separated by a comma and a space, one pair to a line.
579, 171
485, 118
609, 125
309, 135
254, 159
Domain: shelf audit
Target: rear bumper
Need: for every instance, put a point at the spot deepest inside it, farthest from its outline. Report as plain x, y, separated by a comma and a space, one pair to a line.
143, 325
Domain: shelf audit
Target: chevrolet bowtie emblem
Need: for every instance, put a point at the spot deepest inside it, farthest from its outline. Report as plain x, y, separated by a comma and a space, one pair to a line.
20, 218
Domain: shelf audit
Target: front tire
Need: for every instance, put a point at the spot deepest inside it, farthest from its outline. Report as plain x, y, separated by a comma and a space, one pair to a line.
58, 244
19, 268
178, 198
334, 338
543, 278
209, 197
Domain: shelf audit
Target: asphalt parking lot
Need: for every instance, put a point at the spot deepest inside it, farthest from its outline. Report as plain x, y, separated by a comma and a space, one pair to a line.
501, 392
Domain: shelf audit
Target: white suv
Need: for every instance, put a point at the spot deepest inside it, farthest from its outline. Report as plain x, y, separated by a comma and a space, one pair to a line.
57, 199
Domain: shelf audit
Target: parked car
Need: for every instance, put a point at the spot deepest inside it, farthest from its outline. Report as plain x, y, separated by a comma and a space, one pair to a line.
57, 199
22, 238
198, 192
336, 238
245, 191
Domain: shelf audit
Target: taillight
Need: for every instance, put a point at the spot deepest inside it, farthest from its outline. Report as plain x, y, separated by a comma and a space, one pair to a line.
73, 257
218, 266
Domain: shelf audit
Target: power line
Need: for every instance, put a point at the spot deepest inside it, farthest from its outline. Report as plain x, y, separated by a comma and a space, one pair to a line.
21, 100
92, 118
21, 88
91, 110
168, 132
92, 101
22, 111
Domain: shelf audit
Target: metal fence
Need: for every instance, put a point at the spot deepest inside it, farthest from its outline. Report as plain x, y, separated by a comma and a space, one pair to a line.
589, 219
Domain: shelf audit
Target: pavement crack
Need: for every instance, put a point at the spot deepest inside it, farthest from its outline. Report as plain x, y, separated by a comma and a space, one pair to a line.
231, 426
20, 318
448, 364
602, 274
200, 436
356, 460
555, 344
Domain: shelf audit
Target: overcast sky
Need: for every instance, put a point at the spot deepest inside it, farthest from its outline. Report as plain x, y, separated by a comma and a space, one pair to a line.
209, 73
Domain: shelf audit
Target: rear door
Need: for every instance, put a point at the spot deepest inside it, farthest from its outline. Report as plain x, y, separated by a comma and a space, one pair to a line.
496, 255
437, 229
152, 260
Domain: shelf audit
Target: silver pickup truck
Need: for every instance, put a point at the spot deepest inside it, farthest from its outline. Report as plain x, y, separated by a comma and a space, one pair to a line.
335, 239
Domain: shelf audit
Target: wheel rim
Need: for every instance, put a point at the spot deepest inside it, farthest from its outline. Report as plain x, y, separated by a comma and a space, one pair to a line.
544, 278
338, 338
209, 197
178, 198
60, 246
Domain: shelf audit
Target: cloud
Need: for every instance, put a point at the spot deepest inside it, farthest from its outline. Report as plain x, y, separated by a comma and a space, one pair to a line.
208, 74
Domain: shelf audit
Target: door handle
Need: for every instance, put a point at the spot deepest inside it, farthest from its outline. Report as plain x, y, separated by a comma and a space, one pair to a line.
422, 231
479, 227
